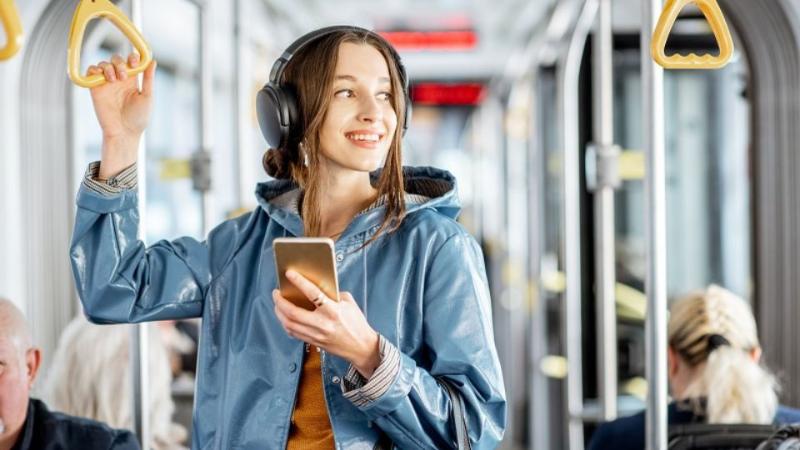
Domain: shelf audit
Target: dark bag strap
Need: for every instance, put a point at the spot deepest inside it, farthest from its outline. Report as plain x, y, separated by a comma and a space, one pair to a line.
460, 418
786, 438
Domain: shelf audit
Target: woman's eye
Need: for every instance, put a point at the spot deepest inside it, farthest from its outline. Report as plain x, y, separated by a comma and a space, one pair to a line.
385, 96
345, 93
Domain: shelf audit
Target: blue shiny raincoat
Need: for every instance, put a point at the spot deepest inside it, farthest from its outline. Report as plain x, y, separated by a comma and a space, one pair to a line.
422, 287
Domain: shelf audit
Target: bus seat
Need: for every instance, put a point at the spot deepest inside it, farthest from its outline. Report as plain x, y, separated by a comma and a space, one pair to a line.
704, 436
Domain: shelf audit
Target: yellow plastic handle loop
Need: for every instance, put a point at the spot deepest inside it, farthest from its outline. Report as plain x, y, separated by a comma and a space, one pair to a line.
92, 9
9, 16
716, 20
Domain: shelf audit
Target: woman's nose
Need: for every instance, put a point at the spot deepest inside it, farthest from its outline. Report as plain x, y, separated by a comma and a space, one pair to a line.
370, 110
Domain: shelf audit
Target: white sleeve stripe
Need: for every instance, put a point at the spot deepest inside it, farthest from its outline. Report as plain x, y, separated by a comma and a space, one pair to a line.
125, 180
361, 391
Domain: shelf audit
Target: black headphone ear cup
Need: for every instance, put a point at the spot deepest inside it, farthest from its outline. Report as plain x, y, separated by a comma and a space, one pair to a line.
276, 107
291, 111
273, 126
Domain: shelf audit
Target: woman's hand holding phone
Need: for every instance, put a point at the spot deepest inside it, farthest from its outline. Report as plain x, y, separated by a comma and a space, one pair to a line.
123, 111
339, 328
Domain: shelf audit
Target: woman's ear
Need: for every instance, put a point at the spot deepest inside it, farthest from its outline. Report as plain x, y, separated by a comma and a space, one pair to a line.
672, 362
755, 354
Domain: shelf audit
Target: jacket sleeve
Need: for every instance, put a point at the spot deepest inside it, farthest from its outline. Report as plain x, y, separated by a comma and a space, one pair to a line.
125, 440
119, 279
415, 411
601, 439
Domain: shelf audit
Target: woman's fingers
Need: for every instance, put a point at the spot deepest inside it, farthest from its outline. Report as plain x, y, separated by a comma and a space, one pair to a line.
93, 70
133, 60
108, 71
297, 321
119, 67
147, 82
292, 312
309, 289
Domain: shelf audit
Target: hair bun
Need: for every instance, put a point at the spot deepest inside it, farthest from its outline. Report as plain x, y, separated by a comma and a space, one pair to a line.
277, 164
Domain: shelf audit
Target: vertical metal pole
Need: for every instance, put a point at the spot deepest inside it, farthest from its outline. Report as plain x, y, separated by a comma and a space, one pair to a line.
518, 229
568, 78
538, 416
241, 104
655, 187
206, 111
603, 51
139, 349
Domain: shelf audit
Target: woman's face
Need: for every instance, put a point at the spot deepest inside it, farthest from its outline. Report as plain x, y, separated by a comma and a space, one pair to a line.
360, 121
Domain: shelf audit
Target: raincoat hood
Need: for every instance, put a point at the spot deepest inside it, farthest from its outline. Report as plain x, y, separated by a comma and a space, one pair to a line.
426, 188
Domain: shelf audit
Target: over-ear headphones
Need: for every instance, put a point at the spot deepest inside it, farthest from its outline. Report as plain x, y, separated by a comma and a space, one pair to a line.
276, 104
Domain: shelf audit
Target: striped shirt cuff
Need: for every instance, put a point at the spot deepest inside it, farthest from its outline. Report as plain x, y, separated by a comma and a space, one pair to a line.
123, 181
361, 391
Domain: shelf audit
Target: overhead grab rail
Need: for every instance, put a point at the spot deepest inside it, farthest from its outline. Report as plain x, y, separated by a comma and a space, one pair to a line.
9, 16
93, 9
713, 13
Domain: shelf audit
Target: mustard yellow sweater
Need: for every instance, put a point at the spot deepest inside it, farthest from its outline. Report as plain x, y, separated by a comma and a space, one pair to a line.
311, 426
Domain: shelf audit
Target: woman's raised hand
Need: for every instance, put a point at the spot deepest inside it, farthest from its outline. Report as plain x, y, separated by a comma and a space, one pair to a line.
122, 109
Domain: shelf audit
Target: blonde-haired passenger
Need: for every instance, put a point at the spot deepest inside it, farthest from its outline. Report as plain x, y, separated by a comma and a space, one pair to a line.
91, 377
714, 371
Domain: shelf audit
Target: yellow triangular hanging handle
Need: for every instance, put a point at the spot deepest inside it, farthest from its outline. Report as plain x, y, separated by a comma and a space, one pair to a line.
92, 9
9, 16
716, 19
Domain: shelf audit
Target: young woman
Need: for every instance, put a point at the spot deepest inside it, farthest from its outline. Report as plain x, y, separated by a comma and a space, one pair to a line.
369, 371
714, 371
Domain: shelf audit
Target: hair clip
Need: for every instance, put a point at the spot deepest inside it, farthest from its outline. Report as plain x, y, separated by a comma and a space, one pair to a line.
716, 341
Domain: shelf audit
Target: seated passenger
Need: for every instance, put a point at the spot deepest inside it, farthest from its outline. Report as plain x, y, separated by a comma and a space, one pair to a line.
97, 383
714, 372
26, 423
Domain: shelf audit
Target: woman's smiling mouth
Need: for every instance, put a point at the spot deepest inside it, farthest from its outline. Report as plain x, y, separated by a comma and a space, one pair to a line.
364, 138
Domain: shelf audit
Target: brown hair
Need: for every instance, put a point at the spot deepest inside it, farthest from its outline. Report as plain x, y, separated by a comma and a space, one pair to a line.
311, 74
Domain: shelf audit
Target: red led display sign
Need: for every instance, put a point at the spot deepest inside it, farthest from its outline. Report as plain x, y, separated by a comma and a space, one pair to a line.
453, 94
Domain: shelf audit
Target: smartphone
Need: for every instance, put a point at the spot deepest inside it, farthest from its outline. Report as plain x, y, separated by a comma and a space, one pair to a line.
311, 257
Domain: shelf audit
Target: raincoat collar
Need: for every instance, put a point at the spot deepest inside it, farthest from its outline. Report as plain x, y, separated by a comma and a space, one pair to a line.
426, 187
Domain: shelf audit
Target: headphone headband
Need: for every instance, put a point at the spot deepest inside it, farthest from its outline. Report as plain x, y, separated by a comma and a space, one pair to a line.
276, 73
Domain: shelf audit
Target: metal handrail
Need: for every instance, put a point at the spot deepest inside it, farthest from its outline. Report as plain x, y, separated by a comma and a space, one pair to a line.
568, 69
206, 112
655, 187
140, 333
605, 182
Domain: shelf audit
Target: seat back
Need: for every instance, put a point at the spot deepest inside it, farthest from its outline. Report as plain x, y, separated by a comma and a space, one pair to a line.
704, 436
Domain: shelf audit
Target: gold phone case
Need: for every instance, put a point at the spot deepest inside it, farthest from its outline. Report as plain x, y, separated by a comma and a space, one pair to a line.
311, 257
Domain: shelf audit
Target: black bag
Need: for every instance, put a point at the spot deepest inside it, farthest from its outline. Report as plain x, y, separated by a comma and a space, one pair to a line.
704, 436
786, 438
462, 437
